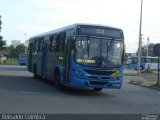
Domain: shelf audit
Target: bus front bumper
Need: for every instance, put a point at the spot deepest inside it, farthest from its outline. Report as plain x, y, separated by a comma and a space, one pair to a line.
94, 83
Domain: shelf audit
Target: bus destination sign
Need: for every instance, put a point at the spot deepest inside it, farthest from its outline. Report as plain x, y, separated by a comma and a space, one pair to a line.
100, 31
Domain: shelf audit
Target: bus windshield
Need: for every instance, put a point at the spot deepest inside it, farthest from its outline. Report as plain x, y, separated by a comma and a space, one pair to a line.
99, 52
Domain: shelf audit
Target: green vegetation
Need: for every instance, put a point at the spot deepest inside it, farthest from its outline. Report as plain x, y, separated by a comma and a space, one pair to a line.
10, 61
2, 42
156, 86
147, 71
9, 55
14, 52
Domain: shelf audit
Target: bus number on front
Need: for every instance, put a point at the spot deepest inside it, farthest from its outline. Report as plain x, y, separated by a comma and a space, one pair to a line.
100, 31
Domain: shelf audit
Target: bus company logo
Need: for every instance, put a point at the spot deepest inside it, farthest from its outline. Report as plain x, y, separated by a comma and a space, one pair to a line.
149, 117
100, 31
99, 78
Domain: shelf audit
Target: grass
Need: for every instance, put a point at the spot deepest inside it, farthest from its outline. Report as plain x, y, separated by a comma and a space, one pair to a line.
157, 86
10, 61
147, 71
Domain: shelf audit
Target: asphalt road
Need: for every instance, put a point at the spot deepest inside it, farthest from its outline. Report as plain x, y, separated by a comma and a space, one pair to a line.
20, 93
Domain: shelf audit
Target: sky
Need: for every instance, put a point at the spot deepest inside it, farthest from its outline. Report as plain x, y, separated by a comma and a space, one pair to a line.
22, 19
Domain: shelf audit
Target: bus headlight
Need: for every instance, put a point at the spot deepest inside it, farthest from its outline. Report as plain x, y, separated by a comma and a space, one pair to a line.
80, 74
116, 74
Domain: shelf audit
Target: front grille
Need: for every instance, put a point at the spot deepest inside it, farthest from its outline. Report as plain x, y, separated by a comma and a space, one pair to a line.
97, 78
98, 83
99, 72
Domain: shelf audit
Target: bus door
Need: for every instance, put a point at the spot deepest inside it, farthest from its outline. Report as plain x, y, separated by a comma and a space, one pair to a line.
30, 56
70, 45
44, 57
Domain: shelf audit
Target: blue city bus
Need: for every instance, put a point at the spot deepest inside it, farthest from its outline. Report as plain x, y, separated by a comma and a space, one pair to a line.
22, 59
146, 62
79, 56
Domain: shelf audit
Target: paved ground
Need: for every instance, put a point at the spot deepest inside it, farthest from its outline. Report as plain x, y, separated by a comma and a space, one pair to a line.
20, 93
144, 79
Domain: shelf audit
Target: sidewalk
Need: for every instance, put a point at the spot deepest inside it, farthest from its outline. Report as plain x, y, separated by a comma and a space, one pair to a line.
144, 79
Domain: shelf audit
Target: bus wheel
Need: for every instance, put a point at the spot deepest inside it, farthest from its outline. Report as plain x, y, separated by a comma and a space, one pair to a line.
97, 89
57, 79
141, 68
35, 72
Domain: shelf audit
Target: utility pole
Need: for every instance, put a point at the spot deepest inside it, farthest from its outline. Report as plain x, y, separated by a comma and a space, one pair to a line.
147, 45
25, 42
140, 40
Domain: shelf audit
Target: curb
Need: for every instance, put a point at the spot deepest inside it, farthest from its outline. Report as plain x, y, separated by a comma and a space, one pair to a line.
141, 84
131, 74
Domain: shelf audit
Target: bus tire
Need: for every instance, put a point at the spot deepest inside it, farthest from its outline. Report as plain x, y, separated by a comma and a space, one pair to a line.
141, 68
35, 76
57, 79
97, 89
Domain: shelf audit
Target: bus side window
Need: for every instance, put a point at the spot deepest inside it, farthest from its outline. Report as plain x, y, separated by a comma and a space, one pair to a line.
52, 43
135, 60
35, 45
39, 45
149, 60
142, 60
46, 45
156, 60
152, 60
145, 60
62, 41
57, 43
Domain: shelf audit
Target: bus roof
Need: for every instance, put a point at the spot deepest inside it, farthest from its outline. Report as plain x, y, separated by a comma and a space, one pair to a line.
73, 26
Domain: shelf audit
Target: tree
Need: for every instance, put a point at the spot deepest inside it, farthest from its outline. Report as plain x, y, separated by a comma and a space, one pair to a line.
2, 42
11, 52
20, 48
14, 52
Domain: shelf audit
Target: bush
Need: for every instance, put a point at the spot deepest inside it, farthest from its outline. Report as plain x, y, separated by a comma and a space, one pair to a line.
11, 61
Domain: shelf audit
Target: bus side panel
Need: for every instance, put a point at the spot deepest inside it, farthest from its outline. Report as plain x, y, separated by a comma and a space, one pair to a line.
50, 65
39, 63
44, 58
53, 62
152, 66
29, 63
